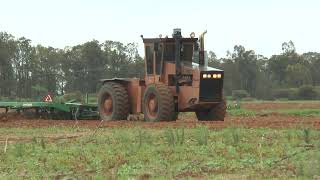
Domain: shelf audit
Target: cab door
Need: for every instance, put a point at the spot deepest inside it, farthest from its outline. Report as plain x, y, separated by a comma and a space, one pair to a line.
153, 63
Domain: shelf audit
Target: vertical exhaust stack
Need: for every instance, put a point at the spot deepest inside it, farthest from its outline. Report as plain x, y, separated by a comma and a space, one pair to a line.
203, 57
177, 36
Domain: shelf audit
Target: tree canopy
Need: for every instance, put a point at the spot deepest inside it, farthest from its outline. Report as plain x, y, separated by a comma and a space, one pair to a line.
28, 71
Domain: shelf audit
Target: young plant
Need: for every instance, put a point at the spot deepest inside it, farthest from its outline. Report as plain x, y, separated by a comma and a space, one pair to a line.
235, 137
19, 150
180, 136
170, 138
202, 135
174, 137
306, 135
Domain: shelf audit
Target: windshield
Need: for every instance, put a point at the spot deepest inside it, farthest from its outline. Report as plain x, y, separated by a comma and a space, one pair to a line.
169, 52
186, 52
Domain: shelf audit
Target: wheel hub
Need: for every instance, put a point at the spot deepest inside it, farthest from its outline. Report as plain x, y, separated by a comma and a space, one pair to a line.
152, 106
107, 105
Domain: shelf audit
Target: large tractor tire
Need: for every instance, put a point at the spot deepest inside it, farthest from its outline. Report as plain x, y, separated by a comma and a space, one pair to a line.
158, 104
113, 102
217, 113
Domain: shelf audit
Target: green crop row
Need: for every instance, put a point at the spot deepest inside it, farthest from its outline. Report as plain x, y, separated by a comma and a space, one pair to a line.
160, 153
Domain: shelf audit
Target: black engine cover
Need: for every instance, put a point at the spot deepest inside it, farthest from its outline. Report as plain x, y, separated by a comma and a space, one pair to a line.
211, 88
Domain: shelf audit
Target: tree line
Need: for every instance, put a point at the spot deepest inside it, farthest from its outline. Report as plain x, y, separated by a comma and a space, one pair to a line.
28, 71
279, 76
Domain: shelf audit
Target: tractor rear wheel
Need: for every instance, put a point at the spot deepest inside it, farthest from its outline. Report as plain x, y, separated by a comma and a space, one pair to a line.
158, 104
217, 113
113, 102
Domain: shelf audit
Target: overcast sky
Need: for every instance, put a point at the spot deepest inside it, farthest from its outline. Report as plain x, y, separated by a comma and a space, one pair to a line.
261, 25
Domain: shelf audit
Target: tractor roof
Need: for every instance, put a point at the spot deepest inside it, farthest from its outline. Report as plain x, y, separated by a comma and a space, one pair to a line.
168, 40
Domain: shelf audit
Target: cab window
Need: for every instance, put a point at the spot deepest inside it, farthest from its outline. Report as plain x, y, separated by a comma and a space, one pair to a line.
158, 59
187, 52
149, 60
169, 52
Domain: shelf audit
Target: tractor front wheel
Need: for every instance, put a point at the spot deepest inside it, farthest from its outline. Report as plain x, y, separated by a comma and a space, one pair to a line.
158, 104
113, 102
217, 113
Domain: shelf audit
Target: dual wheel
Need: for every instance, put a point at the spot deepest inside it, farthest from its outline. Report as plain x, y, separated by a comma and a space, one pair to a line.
157, 104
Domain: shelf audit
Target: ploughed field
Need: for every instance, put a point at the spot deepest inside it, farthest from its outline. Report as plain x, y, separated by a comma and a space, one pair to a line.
256, 140
271, 121
250, 114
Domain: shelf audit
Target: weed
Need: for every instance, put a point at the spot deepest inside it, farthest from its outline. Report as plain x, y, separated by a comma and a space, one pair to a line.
19, 150
234, 105
180, 136
202, 135
175, 137
290, 135
140, 137
241, 112
232, 136
309, 165
301, 168
143, 137
43, 144
235, 137
306, 135
169, 135
296, 112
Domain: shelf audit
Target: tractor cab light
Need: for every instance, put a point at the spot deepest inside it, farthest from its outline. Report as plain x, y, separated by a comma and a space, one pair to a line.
219, 76
204, 76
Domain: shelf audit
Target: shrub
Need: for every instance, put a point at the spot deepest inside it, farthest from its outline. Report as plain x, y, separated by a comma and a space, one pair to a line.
234, 105
317, 89
228, 98
293, 95
239, 94
282, 93
248, 99
307, 92
70, 96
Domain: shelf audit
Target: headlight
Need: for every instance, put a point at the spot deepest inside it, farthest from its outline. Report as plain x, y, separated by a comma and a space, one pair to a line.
214, 76
209, 76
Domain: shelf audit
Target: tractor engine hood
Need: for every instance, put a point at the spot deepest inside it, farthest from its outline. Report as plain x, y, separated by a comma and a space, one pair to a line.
204, 68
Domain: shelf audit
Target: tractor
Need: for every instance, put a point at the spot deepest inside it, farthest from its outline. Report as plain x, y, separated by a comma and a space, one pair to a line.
177, 79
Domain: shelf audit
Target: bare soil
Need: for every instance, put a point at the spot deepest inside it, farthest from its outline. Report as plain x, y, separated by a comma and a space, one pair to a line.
269, 121
277, 105
48, 137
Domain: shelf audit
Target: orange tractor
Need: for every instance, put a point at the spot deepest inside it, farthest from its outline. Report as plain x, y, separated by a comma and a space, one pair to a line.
177, 79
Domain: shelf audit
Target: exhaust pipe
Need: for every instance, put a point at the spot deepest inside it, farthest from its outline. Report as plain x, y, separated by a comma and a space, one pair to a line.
177, 36
203, 56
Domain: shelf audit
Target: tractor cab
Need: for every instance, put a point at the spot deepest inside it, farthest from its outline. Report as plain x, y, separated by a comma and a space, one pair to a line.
163, 50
